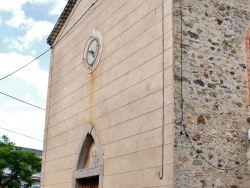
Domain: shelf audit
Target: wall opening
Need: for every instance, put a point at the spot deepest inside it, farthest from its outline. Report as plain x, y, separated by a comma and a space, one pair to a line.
89, 167
92, 182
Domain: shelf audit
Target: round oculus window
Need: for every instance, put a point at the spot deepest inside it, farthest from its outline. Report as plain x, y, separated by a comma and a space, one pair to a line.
92, 52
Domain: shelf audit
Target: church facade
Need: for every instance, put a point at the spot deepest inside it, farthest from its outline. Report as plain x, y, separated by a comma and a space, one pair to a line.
149, 93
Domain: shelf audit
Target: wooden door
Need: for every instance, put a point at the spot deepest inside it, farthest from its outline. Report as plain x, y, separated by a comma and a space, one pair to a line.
92, 182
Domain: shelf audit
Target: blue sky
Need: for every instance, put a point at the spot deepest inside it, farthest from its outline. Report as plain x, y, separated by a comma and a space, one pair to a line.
24, 28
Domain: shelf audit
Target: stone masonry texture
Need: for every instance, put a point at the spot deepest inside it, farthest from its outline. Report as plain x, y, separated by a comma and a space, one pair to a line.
211, 93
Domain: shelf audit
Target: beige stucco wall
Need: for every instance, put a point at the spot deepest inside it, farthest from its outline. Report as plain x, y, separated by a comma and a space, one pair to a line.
122, 98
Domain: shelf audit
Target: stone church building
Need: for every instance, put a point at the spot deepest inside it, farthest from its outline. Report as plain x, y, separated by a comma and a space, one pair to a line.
149, 94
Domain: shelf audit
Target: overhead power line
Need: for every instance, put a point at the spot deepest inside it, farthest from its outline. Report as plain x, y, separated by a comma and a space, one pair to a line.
51, 45
22, 101
41, 56
93, 4
21, 134
25, 65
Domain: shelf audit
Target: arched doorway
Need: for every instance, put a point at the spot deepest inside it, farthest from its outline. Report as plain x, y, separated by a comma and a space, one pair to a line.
89, 167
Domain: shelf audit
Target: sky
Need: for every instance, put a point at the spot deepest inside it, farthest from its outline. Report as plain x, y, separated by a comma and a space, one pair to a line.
24, 28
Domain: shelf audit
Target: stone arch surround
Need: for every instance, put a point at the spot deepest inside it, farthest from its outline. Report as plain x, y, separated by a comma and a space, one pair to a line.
80, 173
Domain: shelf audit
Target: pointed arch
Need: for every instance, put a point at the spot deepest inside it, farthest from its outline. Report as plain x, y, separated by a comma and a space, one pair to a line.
90, 164
248, 61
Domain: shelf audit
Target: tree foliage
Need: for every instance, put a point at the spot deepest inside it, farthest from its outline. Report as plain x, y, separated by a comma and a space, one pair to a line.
16, 165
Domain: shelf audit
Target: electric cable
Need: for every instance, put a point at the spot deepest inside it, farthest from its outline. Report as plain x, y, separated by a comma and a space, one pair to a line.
21, 101
182, 106
25, 65
42, 55
51, 45
93, 4
163, 92
68, 19
21, 134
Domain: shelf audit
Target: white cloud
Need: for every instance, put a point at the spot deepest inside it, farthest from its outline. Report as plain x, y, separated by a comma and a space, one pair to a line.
37, 31
0, 20
11, 5
32, 74
33, 52
19, 20
11, 103
28, 98
26, 123
14, 103
57, 5
13, 43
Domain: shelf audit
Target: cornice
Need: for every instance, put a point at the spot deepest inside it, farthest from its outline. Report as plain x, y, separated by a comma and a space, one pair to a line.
61, 21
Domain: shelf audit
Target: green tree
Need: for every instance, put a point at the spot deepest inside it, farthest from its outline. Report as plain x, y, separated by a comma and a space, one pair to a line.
16, 165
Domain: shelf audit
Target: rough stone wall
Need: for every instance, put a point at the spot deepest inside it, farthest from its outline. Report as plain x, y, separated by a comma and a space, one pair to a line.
248, 60
211, 53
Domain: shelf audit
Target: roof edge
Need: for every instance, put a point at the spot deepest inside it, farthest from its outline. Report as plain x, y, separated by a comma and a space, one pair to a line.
61, 21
